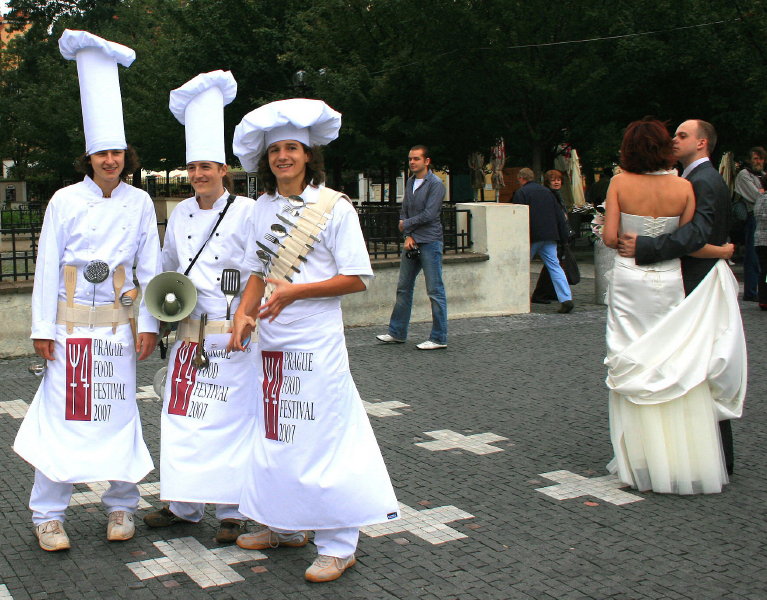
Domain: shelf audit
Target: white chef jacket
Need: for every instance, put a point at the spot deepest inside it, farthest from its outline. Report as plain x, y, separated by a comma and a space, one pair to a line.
188, 228
80, 226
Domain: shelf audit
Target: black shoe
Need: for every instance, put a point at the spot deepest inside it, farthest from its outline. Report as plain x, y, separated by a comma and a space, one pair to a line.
163, 518
229, 530
750, 299
535, 300
567, 306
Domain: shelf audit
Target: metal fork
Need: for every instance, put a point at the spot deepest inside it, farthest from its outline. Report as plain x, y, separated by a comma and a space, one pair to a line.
230, 287
275, 240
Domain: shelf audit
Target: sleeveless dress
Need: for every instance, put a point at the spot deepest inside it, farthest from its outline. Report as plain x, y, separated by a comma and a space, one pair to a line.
676, 366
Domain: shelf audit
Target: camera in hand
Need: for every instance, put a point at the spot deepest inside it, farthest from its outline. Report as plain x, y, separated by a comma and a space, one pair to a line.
413, 254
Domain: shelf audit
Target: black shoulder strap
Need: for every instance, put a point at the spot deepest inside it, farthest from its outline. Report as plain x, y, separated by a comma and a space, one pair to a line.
212, 231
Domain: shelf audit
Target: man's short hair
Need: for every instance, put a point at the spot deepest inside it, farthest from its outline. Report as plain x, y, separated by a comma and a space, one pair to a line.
706, 131
423, 149
759, 151
526, 174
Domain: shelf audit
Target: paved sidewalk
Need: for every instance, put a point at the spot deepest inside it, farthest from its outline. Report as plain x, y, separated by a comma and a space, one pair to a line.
496, 447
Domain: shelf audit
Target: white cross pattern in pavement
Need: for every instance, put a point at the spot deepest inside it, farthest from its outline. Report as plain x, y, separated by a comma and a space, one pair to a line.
4, 593
97, 488
479, 443
376, 408
146, 393
15, 408
429, 525
570, 485
207, 568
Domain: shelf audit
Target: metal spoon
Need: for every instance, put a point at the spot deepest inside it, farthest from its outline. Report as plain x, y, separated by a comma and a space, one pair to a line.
298, 202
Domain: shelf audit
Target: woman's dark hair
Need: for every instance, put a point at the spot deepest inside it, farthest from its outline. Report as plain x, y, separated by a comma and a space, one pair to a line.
315, 170
647, 146
132, 163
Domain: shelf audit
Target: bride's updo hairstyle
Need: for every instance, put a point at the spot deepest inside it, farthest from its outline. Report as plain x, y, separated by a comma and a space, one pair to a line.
646, 147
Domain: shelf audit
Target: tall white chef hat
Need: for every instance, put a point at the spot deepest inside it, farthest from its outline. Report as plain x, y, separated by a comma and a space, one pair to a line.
100, 98
199, 105
311, 122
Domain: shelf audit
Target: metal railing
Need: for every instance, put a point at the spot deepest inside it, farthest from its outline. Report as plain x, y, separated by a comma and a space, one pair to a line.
19, 235
384, 240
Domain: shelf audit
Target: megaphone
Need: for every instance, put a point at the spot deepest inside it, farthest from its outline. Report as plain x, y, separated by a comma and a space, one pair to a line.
170, 296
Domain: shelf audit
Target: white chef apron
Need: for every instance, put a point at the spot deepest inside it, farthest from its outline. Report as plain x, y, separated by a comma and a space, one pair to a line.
316, 462
83, 424
208, 423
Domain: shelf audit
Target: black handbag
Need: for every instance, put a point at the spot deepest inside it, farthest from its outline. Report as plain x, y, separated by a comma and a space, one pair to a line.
569, 265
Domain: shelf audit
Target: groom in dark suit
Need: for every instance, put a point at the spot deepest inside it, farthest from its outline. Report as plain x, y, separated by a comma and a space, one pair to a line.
693, 143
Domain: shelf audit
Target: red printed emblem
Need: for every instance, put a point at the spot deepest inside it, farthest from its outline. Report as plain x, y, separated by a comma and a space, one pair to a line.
79, 381
183, 379
272, 363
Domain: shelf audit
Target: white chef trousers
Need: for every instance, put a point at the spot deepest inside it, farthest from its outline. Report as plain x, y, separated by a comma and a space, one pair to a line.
341, 542
49, 499
194, 511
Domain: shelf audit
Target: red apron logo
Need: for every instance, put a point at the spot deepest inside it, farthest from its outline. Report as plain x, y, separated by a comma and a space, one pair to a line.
183, 379
79, 381
272, 363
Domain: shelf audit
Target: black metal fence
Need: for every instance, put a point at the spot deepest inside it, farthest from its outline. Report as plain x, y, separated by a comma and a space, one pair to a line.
20, 233
380, 228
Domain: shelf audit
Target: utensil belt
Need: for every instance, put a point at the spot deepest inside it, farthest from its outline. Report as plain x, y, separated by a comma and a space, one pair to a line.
189, 329
82, 315
308, 226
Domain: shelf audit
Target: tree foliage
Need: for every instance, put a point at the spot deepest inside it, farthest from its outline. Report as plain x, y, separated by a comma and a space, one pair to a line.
453, 74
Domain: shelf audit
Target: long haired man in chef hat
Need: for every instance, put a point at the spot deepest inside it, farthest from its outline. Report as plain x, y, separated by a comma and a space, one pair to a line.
83, 424
208, 414
315, 462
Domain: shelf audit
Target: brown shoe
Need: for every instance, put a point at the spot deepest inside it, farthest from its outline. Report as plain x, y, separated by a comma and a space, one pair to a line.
229, 530
328, 568
266, 538
163, 518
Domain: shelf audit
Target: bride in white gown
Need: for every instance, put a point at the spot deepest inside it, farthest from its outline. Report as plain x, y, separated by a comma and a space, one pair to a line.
667, 357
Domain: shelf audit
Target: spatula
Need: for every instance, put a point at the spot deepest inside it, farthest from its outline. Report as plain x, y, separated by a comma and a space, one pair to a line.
230, 286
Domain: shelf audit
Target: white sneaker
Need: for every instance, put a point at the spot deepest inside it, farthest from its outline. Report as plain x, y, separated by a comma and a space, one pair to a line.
120, 526
429, 345
51, 536
387, 339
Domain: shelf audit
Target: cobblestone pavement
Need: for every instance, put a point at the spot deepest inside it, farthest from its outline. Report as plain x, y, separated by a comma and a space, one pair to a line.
497, 448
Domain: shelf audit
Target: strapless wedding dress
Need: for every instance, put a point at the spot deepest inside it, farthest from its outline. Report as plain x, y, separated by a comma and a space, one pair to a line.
675, 366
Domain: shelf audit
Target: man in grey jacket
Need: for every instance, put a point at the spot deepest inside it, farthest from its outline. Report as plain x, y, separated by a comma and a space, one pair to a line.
422, 229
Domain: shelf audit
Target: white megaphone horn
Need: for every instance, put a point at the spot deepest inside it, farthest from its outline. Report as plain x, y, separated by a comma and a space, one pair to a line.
170, 296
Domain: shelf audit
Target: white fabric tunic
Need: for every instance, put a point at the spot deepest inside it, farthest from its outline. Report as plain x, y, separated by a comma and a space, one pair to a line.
83, 424
208, 417
316, 463
676, 366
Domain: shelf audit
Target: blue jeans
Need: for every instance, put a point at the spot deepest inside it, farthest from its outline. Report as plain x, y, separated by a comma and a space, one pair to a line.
548, 253
430, 261
750, 260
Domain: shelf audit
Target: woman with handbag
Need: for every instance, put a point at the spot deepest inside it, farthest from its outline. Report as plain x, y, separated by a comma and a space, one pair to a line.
544, 289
